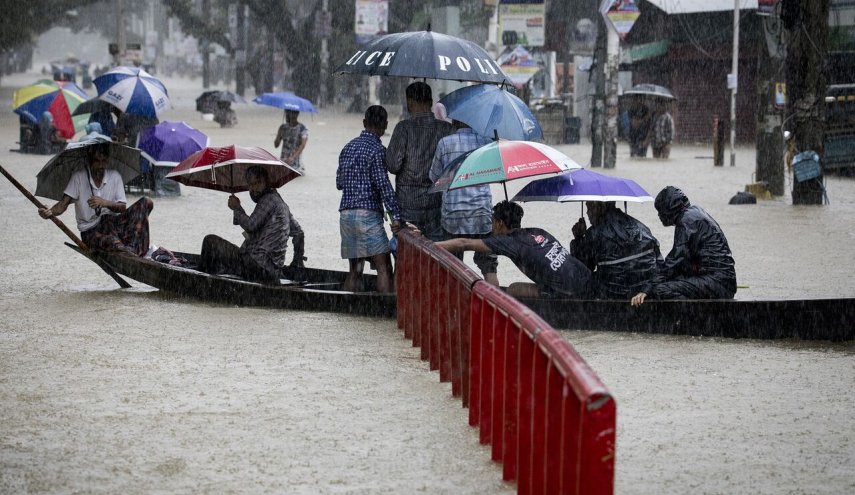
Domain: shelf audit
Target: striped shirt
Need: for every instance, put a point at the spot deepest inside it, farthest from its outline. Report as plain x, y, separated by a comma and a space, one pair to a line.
411, 150
362, 178
468, 210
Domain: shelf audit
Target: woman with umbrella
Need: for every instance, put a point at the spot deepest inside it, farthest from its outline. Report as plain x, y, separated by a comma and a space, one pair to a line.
98, 194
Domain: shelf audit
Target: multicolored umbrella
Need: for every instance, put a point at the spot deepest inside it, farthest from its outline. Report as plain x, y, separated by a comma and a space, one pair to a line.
132, 90
490, 110
583, 185
167, 143
501, 161
224, 168
60, 98
285, 100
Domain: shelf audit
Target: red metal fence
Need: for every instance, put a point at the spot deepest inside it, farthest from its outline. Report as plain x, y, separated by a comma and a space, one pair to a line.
549, 419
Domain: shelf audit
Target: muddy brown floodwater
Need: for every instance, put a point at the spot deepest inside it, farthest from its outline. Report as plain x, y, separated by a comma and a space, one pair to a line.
106, 391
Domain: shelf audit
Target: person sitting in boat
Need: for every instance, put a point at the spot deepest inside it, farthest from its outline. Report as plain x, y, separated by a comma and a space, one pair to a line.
365, 188
620, 251
700, 265
262, 255
536, 252
105, 223
298, 240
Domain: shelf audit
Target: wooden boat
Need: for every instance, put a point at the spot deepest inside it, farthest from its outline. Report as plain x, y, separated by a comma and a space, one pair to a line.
320, 290
301, 288
802, 319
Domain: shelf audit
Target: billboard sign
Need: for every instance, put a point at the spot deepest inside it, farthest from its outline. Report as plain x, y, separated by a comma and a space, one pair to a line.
372, 19
522, 22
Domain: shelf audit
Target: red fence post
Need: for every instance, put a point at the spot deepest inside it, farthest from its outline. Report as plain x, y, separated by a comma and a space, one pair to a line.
549, 418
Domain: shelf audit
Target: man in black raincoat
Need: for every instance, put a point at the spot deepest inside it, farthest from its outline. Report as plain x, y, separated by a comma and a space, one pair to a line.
700, 265
620, 250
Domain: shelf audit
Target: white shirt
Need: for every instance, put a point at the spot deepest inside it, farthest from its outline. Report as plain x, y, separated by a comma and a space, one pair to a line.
80, 188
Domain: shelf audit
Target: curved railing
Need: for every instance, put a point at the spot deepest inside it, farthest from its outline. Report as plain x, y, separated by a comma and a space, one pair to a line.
548, 418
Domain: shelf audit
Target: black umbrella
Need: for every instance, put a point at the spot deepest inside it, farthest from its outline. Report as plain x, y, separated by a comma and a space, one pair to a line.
425, 54
650, 90
92, 105
209, 98
54, 176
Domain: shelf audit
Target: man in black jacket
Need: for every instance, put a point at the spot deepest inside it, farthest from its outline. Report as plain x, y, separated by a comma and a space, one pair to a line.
700, 265
620, 250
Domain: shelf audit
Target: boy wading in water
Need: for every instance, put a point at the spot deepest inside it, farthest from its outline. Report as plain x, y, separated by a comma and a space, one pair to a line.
293, 136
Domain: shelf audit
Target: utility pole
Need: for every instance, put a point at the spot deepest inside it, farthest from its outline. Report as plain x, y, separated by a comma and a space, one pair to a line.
734, 82
240, 50
610, 129
807, 52
598, 104
121, 38
325, 54
205, 46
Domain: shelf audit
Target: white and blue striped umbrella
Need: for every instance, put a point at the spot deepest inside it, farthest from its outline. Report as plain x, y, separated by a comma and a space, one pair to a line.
132, 90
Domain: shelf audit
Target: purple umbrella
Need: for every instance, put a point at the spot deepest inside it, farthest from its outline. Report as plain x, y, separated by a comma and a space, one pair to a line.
583, 185
167, 143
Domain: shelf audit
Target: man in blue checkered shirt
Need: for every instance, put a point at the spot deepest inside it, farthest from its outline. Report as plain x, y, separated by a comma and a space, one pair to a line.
468, 211
365, 187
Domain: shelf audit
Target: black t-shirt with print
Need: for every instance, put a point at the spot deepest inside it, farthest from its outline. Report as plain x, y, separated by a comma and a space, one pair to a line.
544, 260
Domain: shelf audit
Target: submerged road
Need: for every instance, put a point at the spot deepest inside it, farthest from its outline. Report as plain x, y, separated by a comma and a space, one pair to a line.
105, 390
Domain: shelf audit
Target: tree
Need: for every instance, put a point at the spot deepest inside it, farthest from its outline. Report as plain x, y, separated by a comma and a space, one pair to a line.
22, 22
807, 52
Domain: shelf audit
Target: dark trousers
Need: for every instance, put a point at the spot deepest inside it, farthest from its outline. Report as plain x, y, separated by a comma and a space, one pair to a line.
221, 256
427, 221
698, 287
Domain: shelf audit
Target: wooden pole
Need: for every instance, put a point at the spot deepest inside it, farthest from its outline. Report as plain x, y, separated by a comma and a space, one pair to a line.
83, 247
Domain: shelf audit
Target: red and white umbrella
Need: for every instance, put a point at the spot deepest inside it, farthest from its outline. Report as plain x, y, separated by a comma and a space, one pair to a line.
224, 168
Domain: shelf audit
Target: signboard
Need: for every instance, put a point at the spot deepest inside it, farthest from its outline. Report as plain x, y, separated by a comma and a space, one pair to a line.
522, 22
371, 20
620, 14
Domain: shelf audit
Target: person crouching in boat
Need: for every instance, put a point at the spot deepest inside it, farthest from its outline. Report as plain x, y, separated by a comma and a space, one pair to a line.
555, 272
620, 251
261, 256
700, 265
104, 221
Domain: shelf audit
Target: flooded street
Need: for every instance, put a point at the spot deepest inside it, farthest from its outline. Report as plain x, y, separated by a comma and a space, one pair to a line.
106, 391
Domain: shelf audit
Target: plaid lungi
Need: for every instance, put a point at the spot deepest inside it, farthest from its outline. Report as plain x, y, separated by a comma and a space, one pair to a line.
362, 234
127, 231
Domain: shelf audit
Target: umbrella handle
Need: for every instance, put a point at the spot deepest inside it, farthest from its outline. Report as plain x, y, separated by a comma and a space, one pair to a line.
83, 247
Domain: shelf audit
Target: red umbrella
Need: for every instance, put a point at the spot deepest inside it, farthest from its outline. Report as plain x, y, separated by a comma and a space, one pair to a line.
224, 168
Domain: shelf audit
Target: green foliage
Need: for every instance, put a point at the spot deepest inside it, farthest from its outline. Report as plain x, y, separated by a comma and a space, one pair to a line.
23, 21
202, 26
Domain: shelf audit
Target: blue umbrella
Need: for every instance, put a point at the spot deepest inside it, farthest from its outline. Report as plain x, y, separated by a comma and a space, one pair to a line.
583, 185
490, 110
168, 143
285, 100
133, 91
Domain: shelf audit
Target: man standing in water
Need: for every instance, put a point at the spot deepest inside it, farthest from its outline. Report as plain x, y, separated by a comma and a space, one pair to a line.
700, 265
411, 149
261, 257
104, 222
365, 188
467, 211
